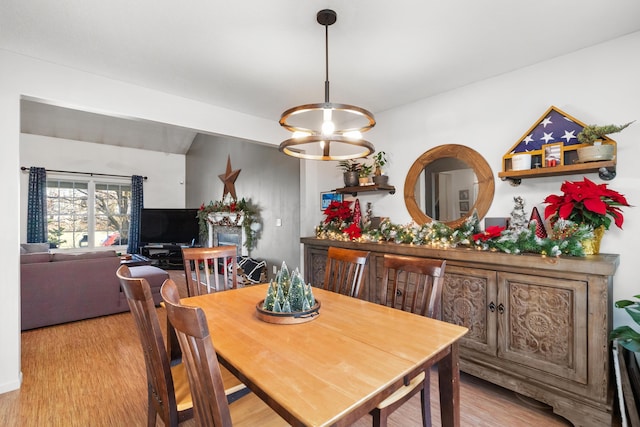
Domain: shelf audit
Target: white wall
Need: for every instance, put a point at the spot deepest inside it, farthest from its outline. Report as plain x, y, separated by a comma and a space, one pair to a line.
164, 187
598, 85
22, 76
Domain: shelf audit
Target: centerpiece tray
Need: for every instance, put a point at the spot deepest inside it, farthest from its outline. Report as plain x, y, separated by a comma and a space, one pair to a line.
287, 318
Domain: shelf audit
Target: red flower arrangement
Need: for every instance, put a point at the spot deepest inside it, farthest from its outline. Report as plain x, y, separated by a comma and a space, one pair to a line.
585, 202
340, 211
340, 218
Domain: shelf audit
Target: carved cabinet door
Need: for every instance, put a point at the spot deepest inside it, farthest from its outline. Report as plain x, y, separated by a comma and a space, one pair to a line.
542, 324
315, 263
469, 298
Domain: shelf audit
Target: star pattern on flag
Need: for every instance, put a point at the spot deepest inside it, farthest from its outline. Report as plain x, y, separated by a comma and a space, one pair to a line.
552, 127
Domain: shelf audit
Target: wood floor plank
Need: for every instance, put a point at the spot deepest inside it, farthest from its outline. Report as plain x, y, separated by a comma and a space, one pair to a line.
92, 373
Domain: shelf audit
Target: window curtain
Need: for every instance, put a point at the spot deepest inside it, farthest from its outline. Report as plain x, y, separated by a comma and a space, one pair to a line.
37, 206
136, 209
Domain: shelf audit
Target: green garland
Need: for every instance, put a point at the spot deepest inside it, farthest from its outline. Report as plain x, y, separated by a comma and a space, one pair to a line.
566, 240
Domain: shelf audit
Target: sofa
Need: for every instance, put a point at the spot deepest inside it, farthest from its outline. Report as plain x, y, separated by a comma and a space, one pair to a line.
64, 287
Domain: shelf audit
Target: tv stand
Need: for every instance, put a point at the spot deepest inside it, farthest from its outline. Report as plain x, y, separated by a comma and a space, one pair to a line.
165, 256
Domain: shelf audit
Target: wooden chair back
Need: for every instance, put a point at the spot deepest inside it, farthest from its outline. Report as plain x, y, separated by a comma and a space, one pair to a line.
161, 391
199, 355
413, 284
201, 264
344, 270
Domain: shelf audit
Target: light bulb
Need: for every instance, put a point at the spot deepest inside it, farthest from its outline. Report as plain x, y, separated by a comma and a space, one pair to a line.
327, 125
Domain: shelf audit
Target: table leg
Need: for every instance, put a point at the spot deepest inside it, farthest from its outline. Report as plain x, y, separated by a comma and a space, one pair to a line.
449, 382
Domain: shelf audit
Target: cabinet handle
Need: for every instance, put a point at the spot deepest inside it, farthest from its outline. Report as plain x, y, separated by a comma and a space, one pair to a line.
492, 307
500, 308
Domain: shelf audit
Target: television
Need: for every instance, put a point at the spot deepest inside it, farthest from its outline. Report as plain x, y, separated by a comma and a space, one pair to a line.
169, 226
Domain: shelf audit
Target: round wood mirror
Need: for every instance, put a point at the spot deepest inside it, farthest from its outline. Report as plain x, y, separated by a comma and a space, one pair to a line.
447, 183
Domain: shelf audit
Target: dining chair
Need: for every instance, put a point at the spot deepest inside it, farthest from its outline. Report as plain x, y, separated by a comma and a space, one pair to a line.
411, 284
203, 370
169, 394
344, 270
200, 264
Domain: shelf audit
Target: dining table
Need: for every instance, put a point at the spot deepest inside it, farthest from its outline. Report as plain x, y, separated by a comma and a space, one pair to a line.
334, 368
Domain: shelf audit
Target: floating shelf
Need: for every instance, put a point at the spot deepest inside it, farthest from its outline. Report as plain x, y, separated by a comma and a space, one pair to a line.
606, 170
365, 188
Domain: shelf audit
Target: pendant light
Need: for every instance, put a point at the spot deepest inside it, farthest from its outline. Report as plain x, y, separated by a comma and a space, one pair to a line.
327, 131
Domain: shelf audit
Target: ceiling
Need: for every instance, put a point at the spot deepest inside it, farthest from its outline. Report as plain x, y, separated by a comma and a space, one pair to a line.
262, 57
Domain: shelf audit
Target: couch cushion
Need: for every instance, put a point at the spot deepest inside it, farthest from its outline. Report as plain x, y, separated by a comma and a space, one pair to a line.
34, 247
154, 275
36, 257
59, 256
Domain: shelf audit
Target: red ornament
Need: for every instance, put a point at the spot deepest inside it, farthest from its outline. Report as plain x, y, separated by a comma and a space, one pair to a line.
357, 215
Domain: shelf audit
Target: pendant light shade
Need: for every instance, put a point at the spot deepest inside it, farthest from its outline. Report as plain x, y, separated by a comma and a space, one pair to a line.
327, 131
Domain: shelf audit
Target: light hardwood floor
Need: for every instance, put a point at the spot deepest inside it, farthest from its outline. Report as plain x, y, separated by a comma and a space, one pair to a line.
92, 373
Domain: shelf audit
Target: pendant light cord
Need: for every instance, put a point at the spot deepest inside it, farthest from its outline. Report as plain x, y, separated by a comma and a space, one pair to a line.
326, 62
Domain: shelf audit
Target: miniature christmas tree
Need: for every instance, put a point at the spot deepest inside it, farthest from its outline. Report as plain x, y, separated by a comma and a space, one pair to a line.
519, 220
541, 232
296, 292
288, 293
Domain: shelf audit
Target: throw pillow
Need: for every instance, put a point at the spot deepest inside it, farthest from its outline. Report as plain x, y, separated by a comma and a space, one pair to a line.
252, 268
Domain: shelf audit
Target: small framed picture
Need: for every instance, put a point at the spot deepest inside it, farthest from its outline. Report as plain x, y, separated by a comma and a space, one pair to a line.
463, 195
552, 155
327, 197
464, 206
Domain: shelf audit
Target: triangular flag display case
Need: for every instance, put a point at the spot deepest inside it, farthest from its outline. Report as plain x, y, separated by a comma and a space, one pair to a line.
552, 142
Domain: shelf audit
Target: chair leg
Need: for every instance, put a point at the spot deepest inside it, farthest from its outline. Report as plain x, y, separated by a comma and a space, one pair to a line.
425, 400
151, 413
379, 418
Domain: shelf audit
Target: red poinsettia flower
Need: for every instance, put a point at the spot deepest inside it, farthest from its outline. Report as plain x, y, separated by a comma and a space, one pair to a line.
338, 210
353, 231
489, 233
585, 202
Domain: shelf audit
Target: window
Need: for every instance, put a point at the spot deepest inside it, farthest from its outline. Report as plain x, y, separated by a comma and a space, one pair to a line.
88, 213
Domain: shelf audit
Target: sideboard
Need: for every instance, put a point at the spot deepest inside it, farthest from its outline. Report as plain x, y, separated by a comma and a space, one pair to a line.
537, 325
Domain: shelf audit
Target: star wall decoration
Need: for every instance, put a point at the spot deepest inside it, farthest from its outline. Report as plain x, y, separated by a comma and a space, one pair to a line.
229, 179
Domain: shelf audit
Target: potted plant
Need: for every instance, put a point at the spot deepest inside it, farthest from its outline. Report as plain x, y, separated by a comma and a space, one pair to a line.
588, 203
626, 335
629, 339
379, 160
592, 135
350, 169
364, 175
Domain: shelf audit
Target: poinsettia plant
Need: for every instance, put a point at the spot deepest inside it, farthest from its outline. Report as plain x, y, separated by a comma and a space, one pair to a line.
585, 202
340, 219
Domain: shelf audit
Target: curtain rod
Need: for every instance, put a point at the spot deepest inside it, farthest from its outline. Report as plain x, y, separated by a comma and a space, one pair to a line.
85, 173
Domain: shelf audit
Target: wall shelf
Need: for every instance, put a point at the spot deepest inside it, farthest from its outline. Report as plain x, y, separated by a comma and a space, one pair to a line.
365, 188
556, 157
605, 169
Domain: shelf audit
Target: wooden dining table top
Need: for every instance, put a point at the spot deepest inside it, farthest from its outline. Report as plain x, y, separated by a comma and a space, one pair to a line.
328, 371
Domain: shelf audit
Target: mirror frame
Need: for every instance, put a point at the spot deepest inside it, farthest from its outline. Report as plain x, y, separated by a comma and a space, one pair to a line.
486, 184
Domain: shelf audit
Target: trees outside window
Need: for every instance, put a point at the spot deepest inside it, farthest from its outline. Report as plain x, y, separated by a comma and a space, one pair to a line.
88, 213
